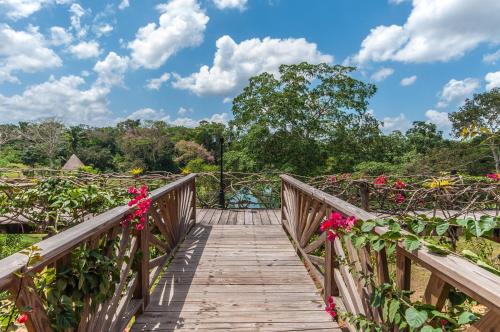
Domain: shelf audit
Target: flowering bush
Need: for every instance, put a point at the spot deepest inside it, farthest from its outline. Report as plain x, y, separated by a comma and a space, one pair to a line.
493, 176
380, 180
141, 203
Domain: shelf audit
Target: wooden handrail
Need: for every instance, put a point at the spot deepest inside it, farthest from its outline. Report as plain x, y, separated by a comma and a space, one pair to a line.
173, 212
303, 209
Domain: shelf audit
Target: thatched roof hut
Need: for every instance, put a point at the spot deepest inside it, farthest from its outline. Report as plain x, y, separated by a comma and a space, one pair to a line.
72, 164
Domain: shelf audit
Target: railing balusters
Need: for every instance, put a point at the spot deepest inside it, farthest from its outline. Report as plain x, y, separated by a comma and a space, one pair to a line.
172, 213
303, 209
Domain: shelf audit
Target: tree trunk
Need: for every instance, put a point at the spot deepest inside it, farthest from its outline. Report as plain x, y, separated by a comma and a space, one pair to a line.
496, 156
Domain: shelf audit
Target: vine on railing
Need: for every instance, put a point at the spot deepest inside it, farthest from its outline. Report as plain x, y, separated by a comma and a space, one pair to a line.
89, 279
397, 310
447, 195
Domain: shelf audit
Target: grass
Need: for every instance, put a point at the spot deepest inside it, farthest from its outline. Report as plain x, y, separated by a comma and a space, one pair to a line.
12, 243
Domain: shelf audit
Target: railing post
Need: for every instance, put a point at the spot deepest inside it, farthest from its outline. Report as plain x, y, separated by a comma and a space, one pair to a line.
331, 288
193, 200
282, 198
364, 194
142, 289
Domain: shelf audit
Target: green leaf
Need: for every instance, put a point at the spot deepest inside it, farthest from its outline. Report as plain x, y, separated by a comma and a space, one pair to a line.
488, 267
415, 318
437, 249
367, 226
466, 318
393, 309
417, 227
442, 228
411, 244
428, 328
359, 241
378, 245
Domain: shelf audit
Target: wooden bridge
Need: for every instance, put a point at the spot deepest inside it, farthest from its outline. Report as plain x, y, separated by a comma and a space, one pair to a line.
241, 270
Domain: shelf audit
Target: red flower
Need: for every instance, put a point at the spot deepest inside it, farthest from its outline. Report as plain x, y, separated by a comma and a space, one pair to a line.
380, 180
330, 307
400, 198
493, 176
333, 179
22, 318
335, 223
331, 235
141, 204
399, 184
443, 322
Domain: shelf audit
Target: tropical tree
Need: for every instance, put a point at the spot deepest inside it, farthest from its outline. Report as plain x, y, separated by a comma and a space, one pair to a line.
286, 122
480, 117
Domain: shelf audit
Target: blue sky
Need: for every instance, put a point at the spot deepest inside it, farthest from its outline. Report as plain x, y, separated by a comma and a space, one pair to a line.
99, 62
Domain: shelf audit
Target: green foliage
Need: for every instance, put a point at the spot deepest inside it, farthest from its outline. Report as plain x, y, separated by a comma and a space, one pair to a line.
91, 276
56, 203
12, 243
286, 123
376, 168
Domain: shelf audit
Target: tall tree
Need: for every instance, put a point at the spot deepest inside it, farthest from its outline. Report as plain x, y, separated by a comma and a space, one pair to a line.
423, 136
47, 137
480, 116
286, 121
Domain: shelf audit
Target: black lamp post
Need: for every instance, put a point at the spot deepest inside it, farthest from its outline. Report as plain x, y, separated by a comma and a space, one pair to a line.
222, 199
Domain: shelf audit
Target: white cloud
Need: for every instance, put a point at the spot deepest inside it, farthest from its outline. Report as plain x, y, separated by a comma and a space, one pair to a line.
77, 12
396, 2
235, 63
59, 36
156, 83
231, 4
407, 81
181, 24
85, 50
111, 70
382, 74
436, 30
103, 29
440, 119
457, 91
399, 122
124, 4
24, 51
16, 9
63, 99
161, 115
492, 57
492, 80
184, 111
69, 98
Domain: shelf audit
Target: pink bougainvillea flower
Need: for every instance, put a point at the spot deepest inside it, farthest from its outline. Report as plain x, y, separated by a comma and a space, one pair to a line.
398, 184
330, 307
22, 318
337, 222
400, 198
380, 180
331, 235
493, 176
141, 204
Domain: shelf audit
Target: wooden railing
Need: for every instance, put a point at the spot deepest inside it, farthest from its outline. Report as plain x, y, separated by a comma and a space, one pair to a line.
172, 213
303, 210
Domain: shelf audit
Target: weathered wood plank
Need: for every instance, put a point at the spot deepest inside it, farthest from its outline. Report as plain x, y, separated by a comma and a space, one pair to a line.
236, 277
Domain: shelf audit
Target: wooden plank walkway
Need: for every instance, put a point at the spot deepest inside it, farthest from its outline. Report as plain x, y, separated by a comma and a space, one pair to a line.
228, 277
238, 217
